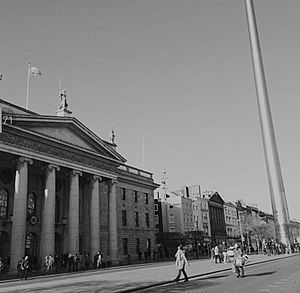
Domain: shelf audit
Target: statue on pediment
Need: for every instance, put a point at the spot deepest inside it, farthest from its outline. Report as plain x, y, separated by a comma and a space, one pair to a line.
63, 100
112, 137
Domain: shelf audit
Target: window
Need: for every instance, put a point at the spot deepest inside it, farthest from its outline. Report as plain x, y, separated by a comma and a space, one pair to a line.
146, 198
137, 245
147, 220
172, 229
156, 220
123, 191
31, 204
136, 219
170, 207
125, 246
124, 218
135, 196
3, 203
171, 219
156, 207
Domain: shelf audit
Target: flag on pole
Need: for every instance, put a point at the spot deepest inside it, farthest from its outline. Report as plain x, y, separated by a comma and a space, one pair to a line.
31, 72
34, 71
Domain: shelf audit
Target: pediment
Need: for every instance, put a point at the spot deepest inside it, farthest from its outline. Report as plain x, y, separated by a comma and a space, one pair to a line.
68, 131
60, 130
216, 198
65, 135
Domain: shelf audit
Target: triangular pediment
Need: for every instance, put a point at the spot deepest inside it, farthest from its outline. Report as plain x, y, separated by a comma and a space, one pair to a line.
216, 198
62, 130
64, 134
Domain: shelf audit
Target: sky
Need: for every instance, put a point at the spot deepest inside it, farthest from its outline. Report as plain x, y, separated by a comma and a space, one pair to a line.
178, 73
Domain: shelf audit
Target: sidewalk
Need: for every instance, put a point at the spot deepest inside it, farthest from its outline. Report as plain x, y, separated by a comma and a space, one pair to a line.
126, 278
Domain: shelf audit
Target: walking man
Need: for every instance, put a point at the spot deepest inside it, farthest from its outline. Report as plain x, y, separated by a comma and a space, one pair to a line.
181, 261
24, 268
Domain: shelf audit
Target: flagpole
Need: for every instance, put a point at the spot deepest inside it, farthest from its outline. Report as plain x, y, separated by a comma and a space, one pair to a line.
59, 86
144, 139
28, 77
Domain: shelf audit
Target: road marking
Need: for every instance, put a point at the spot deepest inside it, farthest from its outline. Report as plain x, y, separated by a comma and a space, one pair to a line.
273, 286
265, 290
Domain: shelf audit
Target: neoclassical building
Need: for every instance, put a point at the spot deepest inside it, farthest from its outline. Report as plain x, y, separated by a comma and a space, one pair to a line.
65, 190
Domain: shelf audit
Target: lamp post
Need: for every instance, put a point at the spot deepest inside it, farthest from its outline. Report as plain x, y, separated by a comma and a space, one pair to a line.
241, 229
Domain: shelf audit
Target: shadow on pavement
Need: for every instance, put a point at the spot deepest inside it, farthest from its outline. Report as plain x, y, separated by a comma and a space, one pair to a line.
260, 274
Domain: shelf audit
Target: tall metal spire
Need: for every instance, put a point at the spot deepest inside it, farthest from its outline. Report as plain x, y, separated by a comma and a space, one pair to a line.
276, 186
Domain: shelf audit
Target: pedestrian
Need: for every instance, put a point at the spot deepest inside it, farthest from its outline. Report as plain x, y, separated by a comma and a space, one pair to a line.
46, 264
70, 262
50, 264
225, 256
240, 260
95, 260
19, 270
2, 268
180, 263
216, 254
212, 252
24, 268
99, 260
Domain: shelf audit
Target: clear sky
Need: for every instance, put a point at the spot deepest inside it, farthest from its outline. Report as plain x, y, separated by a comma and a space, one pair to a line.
177, 72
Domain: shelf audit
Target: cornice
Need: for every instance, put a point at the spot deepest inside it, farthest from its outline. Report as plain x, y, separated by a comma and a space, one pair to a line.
137, 180
22, 140
72, 123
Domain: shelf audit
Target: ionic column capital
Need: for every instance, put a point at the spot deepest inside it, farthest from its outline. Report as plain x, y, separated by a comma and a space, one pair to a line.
76, 172
113, 181
96, 177
52, 166
22, 160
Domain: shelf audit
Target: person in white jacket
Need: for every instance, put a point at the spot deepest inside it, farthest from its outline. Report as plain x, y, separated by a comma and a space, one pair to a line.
180, 263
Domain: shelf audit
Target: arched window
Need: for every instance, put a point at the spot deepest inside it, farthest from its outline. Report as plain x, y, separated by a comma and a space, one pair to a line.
31, 204
3, 203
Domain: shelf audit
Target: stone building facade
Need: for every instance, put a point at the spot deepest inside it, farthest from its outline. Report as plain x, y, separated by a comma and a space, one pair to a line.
62, 191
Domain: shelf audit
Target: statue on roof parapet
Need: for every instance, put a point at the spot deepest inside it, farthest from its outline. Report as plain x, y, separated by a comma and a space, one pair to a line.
112, 136
63, 100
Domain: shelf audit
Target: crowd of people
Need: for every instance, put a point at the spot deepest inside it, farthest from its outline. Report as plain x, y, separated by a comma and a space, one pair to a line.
219, 254
56, 264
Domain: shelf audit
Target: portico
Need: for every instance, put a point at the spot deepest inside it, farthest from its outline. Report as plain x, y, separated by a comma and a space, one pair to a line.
59, 185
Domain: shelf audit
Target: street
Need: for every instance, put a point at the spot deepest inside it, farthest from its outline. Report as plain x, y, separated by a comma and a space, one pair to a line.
273, 274
280, 276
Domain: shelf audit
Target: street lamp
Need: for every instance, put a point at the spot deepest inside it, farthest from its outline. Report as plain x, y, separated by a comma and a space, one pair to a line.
241, 229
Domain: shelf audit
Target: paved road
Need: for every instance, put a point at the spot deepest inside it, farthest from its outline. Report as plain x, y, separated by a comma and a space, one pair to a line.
282, 275
135, 277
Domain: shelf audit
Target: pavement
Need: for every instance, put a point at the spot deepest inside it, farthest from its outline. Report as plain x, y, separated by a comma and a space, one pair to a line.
133, 278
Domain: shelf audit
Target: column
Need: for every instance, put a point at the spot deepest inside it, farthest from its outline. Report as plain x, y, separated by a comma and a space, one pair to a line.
95, 215
48, 217
73, 221
113, 236
19, 212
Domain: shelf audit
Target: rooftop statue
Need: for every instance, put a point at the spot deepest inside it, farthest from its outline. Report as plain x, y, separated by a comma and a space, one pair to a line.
63, 100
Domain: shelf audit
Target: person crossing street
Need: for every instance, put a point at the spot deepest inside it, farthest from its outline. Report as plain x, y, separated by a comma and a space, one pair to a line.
180, 263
